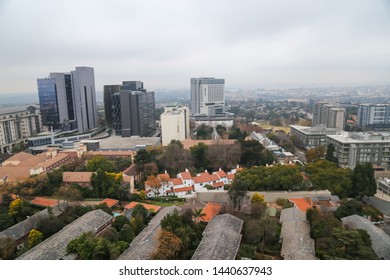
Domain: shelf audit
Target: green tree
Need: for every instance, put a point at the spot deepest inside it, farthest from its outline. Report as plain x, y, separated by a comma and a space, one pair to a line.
119, 222
99, 162
140, 210
330, 151
174, 158
349, 207
50, 225
251, 153
121, 164
203, 132
19, 210
363, 181
34, 238
198, 214
126, 234
199, 154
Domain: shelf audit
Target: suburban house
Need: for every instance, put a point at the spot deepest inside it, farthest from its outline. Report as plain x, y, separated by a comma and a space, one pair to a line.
323, 203
81, 178
211, 210
44, 202
186, 185
110, 202
54, 248
221, 239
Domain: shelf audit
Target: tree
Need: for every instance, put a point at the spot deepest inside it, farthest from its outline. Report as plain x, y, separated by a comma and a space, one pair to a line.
19, 210
349, 207
7, 248
198, 214
175, 157
251, 153
256, 197
50, 225
99, 162
363, 181
54, 180
67, 194
223, 156
315, 154
140, 210
330, 153
34, 238
169, 246
199, 154
6, 200
154, 183
203, 132
220, 129
121, 164
119, 222
236, 134
126, 234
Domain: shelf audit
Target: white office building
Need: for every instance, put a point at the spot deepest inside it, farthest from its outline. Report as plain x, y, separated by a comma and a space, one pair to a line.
175, 124
329, 115
207, 96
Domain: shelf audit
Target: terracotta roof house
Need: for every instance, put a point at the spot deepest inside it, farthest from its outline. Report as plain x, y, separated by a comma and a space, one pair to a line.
44, 202
144, 244
81, 178
321, 202
221, 239
110, 202
380, 240
21, 230
185, 175
149, 207
211, 210
17, 159
54, 248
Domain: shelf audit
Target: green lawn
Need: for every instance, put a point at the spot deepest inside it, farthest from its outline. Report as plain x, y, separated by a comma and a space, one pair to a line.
164, 203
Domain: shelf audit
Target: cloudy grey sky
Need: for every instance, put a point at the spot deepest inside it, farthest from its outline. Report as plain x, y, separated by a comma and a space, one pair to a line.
251, 44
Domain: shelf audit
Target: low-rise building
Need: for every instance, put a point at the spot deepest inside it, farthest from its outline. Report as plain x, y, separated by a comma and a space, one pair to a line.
221, 239
358, 147
312, 137
81, 178
380, 240
54, 248
146, 242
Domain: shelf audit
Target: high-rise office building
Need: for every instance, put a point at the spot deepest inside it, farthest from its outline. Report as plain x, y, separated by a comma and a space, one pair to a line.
175, 124
329, 115
108, 91
374, 116
133, 110
207, 96
83, 80
65, 98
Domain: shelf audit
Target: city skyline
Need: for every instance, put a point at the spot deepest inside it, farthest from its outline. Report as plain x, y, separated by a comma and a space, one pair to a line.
253, 45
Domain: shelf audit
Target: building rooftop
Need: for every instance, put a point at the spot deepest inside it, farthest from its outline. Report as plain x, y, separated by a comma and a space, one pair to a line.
54, 248
44, 202
23, 228
110, 202
361, 137
292, 214
188, 143
79, 177
380, 240
221, 239
145, 243
16, 109
211, 210
149, 207
17, 158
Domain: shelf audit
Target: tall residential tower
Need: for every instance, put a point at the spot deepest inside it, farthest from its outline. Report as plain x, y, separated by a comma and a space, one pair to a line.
207, 96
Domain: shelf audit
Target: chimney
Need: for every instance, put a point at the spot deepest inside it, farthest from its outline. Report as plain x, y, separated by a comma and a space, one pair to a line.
166, 172
187, 170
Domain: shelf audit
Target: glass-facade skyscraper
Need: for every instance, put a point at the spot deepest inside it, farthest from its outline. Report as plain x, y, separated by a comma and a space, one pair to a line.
48, 102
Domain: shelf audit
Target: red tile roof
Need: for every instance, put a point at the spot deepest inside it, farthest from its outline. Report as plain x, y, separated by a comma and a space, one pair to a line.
202, 178
231, 176
221, 173
218, 184
214, 177
184, 189
164, 177
151, 207
186, 175
211, 210
301, 203
177, 181
110, 202
44, 202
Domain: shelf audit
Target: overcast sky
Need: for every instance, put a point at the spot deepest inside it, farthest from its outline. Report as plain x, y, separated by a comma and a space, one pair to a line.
251, 44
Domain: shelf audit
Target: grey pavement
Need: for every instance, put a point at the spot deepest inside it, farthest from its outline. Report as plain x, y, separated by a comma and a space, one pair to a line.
380, 204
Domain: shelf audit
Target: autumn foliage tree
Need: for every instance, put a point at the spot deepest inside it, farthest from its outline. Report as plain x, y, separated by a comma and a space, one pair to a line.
168, 247
34, 238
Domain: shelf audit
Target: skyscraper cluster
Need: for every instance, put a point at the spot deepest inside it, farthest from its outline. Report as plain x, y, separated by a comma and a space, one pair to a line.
68, 100
129, 109
329, 115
